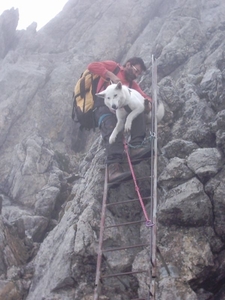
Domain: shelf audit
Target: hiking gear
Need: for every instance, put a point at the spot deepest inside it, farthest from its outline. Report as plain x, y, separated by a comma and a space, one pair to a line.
116, 174
102, 118
84, 98
115, 151
137, 154
107, 121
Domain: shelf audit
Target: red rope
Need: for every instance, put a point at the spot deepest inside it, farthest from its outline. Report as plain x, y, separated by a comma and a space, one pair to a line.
148, 221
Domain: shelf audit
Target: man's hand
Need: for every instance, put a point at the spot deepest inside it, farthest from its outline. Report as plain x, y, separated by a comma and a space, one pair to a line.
148, 105
112, 77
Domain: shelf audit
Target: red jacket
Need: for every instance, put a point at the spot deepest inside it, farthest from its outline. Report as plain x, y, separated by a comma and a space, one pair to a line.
100, 68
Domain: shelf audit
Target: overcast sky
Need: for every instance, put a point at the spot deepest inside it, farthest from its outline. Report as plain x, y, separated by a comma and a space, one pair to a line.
40, 11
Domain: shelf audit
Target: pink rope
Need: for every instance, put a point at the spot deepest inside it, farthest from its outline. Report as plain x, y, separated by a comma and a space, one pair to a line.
148, 221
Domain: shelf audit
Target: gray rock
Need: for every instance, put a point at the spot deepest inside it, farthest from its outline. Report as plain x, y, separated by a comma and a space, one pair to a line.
178, 148
216, 188
193, 125
212, 87
175, 173
173, 56
205, 162
218, 128
8, 23
186, 252
186, 205
50, 226
31, 226
9, 290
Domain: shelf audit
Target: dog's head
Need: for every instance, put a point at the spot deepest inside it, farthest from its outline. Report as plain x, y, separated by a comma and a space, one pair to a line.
113, 96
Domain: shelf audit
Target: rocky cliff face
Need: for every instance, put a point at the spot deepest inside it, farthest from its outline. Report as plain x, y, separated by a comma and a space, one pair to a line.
51, 178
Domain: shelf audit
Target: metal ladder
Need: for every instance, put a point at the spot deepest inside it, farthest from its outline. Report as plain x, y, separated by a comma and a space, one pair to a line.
151, 272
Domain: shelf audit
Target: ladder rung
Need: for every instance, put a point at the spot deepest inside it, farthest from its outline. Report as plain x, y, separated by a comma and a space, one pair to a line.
142, 178
123, 224
126, 273
138, 159
128, 201
125, 247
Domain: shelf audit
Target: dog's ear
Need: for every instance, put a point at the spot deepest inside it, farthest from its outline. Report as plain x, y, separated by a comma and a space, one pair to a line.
101, 94
119, 86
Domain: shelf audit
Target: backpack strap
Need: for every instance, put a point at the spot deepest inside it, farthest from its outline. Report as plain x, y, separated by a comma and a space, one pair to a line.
101, 119
117, 69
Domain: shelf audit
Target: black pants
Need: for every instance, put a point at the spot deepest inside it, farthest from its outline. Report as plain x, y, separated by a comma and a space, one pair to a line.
115, 151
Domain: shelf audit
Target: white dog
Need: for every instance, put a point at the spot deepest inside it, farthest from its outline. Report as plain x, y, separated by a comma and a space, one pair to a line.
121, 99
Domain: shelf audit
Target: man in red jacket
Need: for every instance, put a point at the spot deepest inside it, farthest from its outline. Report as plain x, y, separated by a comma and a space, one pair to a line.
110, 70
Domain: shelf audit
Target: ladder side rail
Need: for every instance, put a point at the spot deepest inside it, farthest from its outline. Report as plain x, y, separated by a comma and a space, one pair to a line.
152, 135
153, 154
102, 224
153, 206
154, 200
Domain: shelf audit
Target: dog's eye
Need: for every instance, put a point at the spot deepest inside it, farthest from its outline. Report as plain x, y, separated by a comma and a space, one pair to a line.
115, 95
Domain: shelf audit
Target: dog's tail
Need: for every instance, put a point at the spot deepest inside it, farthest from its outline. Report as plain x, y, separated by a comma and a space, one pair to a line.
160, 111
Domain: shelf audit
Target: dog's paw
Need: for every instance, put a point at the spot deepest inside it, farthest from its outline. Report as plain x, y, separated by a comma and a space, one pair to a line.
127, 126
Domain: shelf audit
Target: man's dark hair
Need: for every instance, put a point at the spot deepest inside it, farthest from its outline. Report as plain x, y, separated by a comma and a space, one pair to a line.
137, 61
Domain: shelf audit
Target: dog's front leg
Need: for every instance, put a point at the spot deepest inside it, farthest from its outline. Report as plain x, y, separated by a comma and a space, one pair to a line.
120, 115
132, 115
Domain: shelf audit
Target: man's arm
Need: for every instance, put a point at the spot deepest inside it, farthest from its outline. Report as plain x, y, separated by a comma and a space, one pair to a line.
104, 69
136, 87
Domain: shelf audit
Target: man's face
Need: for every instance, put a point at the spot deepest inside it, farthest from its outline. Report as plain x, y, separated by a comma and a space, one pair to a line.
132, 71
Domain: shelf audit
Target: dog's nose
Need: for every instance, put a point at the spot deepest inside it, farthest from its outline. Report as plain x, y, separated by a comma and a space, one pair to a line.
114, 106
